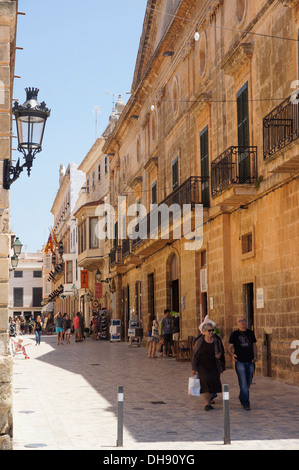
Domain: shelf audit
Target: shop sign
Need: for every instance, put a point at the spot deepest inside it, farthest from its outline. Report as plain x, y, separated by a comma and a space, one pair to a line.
84, 280
98, 290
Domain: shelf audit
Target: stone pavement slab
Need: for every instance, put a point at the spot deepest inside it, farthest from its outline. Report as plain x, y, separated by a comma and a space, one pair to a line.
65, 398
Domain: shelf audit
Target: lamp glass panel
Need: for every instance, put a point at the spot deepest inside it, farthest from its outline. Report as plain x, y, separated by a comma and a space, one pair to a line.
30, 131
14, 261
17, 248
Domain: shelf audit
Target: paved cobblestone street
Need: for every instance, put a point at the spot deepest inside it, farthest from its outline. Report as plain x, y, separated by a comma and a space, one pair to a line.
65, 398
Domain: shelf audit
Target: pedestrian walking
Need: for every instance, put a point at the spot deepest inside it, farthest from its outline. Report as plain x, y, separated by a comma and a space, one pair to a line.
95, 325
175, 329
12, 327
216, 332
67, 324
209, 362
153, 337
76, 323
37, 329
166, 330
23, 325
242, 348
18, 326
59, 327
30, 325
82, 326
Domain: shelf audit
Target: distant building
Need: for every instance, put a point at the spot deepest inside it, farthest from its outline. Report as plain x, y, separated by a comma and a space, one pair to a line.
66, 274
26, 286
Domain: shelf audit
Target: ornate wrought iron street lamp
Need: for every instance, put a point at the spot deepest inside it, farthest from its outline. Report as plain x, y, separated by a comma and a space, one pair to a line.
98, 276
17, 247
14, 261
31, 119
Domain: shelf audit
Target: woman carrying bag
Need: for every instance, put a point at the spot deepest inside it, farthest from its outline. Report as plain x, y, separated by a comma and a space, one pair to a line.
153, 337
209, 362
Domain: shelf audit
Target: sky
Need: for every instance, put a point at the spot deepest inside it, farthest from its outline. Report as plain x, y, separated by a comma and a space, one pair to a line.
81, 56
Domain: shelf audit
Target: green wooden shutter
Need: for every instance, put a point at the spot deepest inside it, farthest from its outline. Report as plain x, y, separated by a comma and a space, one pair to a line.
115, 235
204, 165
243, 135
175, 173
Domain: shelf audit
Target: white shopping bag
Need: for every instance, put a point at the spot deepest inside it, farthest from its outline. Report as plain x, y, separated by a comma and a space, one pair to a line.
194, 386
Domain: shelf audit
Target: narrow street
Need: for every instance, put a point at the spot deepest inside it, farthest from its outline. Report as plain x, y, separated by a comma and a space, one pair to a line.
65, 398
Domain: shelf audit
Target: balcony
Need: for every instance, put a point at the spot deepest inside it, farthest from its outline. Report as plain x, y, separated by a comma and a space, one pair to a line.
233, 175
193, 191
157, 232
280, 131
91, 255
115, 256
122, 257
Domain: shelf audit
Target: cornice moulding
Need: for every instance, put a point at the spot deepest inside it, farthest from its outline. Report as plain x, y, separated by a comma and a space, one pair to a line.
236, 58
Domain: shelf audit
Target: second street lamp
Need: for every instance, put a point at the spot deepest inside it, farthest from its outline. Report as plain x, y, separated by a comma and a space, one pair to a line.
14, 261
17, 247
31, 119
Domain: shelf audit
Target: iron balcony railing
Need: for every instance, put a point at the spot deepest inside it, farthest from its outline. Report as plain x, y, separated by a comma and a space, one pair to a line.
115, 256
195, 190
281, 126
126, 247
237, 165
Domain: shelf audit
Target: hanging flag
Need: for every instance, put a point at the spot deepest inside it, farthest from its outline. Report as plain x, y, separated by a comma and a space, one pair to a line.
54, 238
50, 245
52, 242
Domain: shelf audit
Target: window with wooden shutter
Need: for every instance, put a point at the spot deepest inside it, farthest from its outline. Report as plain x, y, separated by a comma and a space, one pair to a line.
151, 294
154, 193
204, 165
93, 238
175, 173
243, 135
37, 296
69, 272
18, 294
115, 242
138, 299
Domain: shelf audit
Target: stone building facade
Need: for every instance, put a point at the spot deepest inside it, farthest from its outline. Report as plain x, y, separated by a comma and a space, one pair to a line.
8, 24
65, 273
93, 251
213, 120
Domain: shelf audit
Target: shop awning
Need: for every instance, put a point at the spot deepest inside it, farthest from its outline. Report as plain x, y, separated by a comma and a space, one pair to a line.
48, 308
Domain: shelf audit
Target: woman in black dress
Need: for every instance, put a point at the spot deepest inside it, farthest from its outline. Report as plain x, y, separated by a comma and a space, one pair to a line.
208, 361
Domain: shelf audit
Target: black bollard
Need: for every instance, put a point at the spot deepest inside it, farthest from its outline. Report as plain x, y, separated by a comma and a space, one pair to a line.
227, 439
120, 417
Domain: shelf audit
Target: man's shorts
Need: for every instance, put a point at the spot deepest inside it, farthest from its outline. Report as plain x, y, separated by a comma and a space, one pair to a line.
168, 340
59, 330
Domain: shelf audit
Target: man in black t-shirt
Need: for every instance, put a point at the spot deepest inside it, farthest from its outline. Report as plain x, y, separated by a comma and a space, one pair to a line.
243, 342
